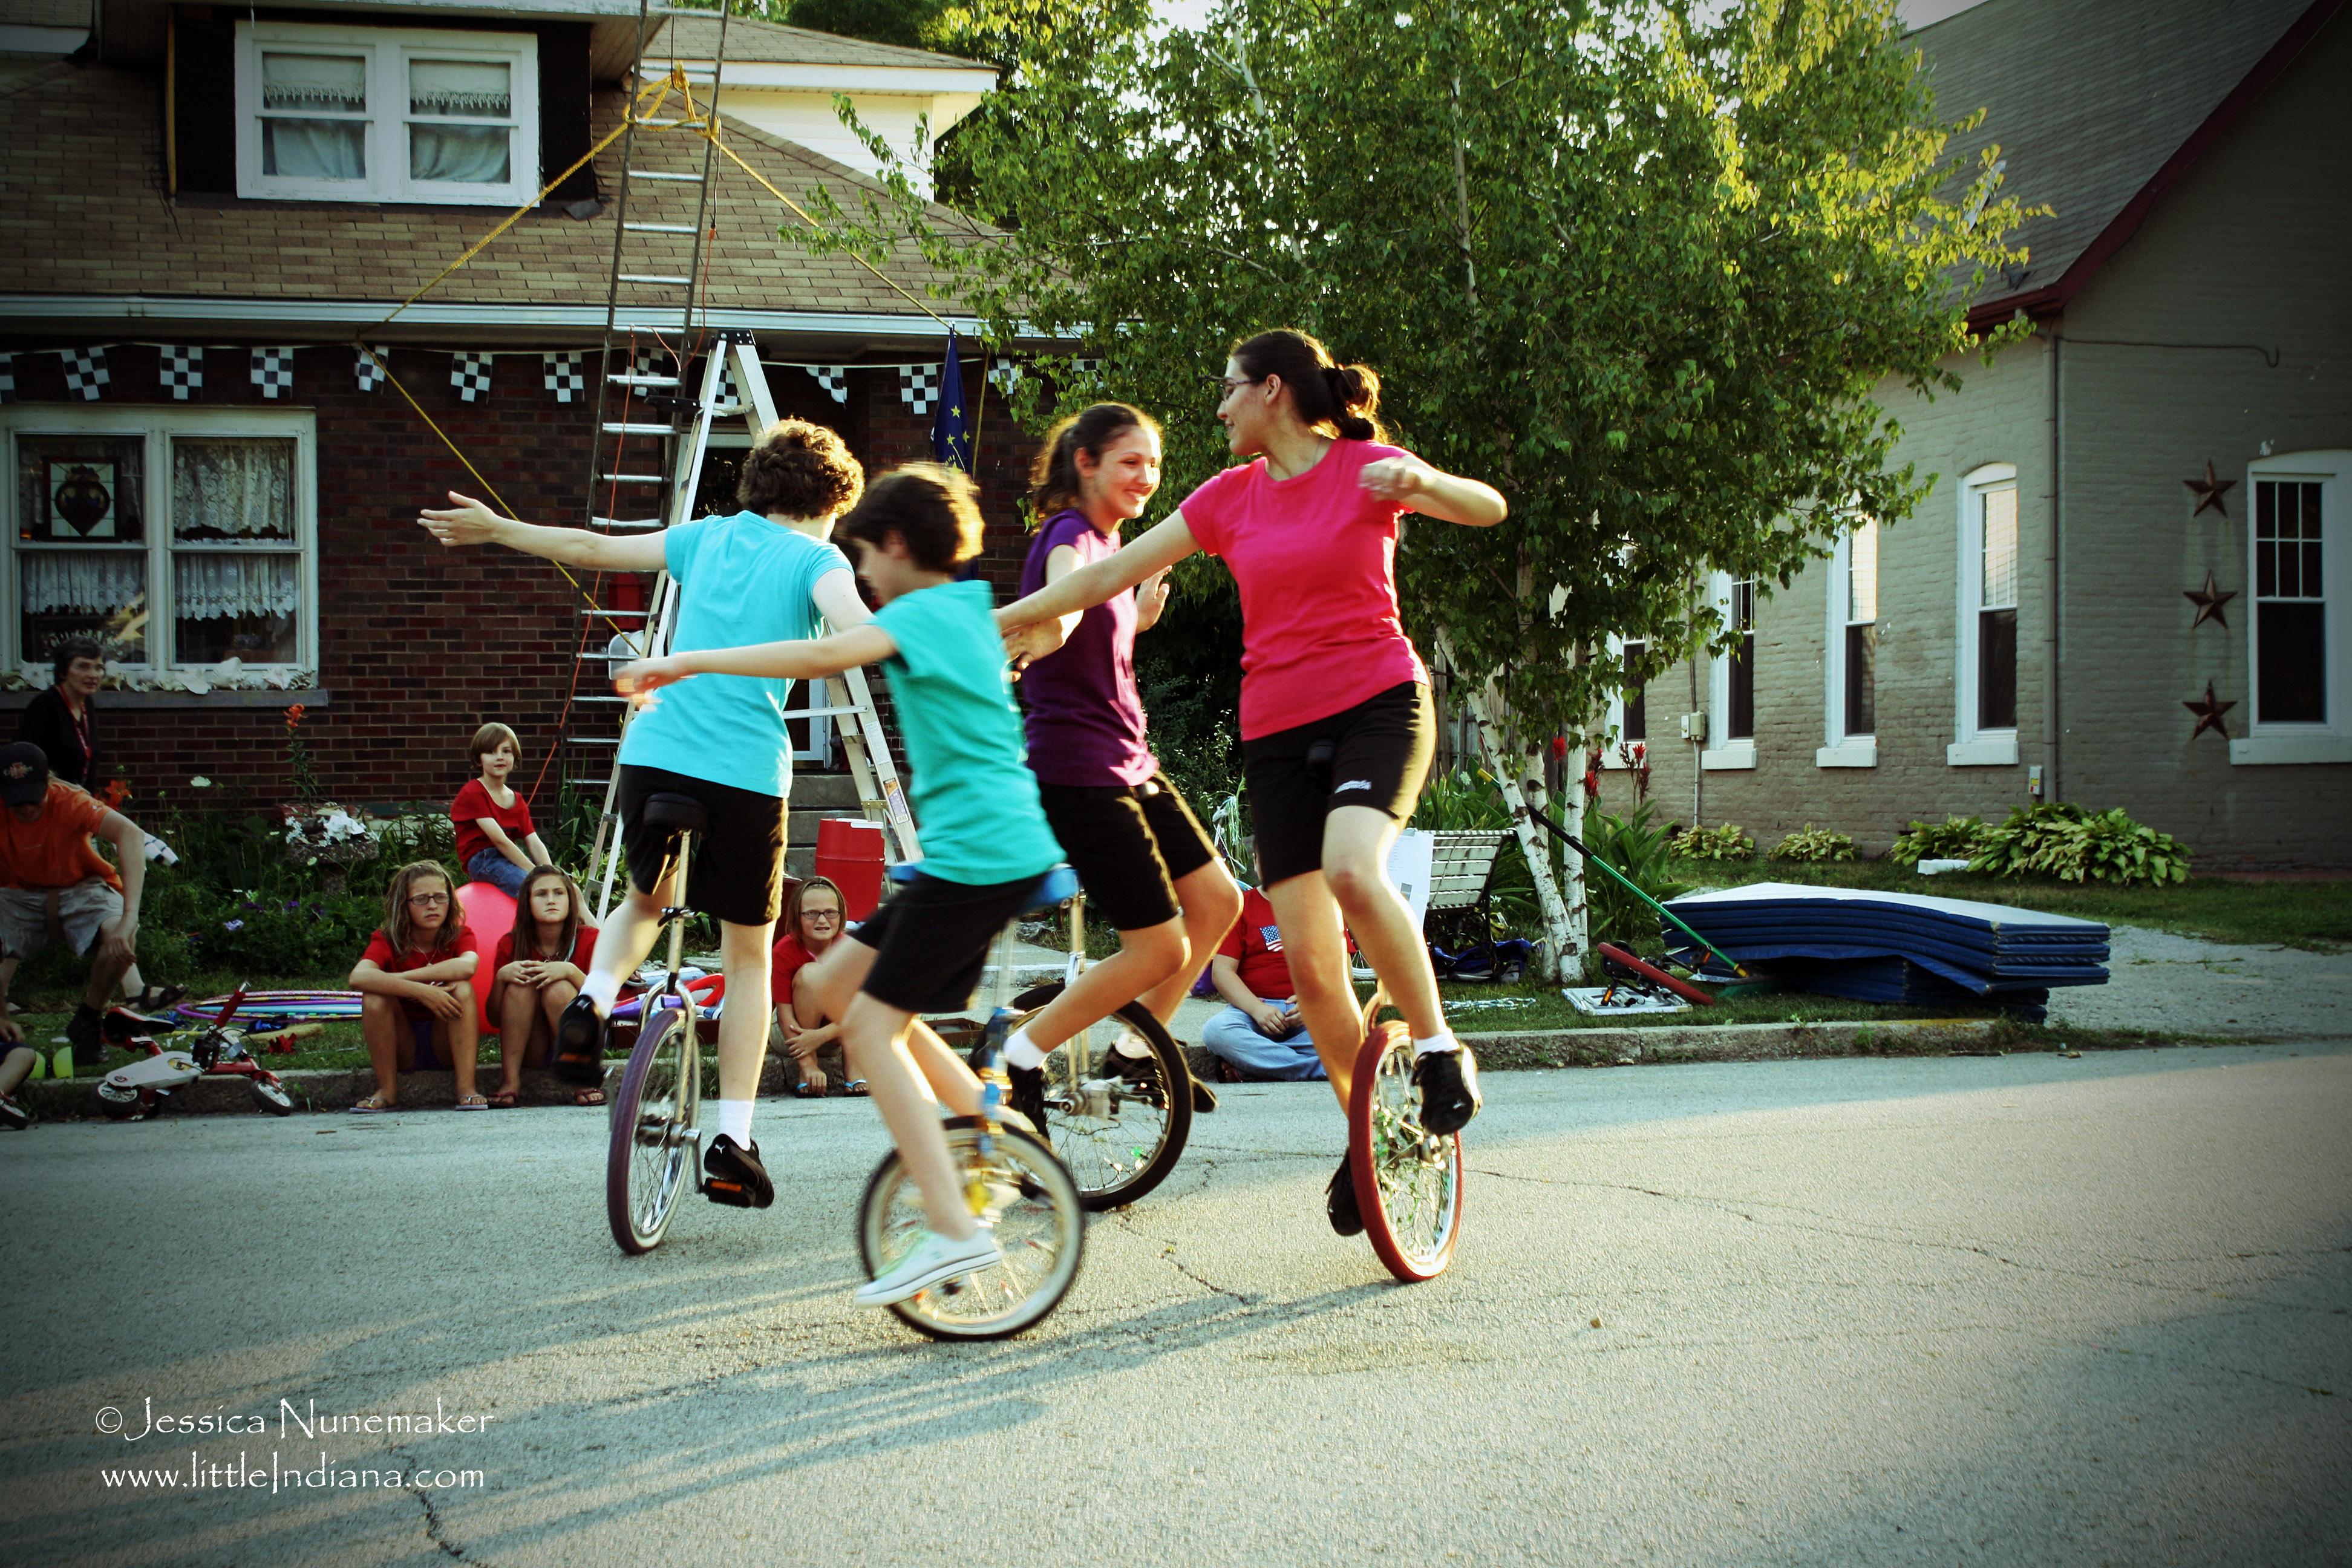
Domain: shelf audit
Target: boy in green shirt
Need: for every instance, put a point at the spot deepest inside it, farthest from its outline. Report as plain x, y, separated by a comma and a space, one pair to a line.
985, 840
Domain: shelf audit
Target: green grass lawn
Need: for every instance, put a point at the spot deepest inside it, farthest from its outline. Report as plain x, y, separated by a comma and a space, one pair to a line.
2317, 916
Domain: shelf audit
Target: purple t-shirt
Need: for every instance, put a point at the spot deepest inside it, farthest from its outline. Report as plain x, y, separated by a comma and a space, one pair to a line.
1085, 716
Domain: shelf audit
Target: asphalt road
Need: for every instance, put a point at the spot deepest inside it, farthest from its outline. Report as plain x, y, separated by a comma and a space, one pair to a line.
2015, 1310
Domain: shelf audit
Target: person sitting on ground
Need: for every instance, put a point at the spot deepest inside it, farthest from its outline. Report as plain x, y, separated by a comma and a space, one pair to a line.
534, 974
1258, 1034
415, 983
495, 841
815, 917
51, 876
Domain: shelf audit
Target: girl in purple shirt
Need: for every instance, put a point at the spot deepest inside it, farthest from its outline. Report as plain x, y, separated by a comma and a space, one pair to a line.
1146, 865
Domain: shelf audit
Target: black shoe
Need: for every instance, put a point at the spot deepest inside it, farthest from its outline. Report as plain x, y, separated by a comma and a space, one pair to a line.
1137, 1070
85, 1029
1448, 1081
1340, 1202
14, 1116
580, 1044
1028, 1095
733, 1174
1204, 1099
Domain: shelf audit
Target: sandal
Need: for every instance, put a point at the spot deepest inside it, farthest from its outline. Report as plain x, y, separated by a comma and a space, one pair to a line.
504, 1100
808, 1091
588, 1097
856, 1089
471, 1102
373, 1105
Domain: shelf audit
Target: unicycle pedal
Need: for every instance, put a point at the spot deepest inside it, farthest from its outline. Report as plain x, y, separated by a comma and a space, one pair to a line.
733, 1194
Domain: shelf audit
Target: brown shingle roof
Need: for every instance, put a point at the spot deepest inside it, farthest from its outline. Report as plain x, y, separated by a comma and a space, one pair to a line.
82, 211
44, 13
749, 39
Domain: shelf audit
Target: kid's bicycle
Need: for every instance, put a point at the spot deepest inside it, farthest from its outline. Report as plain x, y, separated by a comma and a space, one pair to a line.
216, 1049
1012, 1181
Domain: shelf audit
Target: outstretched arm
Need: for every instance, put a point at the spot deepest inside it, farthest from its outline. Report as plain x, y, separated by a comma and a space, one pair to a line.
466, 521
1159, 548
1433, 492
797, 660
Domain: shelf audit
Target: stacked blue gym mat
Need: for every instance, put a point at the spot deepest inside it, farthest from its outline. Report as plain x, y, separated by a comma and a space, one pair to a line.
1896, 947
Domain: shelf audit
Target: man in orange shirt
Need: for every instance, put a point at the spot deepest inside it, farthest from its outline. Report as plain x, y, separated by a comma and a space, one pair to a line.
49, 864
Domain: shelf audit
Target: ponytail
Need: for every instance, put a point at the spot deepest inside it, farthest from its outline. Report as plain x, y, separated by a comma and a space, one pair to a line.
1054, 484
1346, 397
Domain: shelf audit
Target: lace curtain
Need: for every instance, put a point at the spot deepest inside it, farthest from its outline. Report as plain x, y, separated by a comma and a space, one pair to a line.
334, 84
92, 582
233, 489
481, 88
210, 585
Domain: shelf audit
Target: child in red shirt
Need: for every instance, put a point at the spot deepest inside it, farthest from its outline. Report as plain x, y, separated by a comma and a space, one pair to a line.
496, 840
535, 973
815, 919
415, 983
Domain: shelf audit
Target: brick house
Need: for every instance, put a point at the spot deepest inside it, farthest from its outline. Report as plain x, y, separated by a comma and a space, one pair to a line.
2028, 632
204, 210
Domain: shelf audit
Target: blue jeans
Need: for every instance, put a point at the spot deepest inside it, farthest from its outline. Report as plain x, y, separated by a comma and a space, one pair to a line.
489, 865
1232, 1038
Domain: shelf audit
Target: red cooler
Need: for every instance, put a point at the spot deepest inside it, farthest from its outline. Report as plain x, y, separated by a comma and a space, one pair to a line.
849, 850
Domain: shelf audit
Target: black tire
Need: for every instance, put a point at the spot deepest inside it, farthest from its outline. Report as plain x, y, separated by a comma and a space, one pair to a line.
1042, 1226
1117, 1141
272, 1098
650, 1158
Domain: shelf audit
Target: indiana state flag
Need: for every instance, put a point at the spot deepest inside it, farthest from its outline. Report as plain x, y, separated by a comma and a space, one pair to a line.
952, 423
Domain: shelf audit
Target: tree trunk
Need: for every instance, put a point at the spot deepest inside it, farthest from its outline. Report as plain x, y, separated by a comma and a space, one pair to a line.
1563, 918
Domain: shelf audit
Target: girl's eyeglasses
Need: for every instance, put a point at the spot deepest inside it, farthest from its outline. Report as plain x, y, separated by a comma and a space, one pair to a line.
428, 899
1227, 386
820, 914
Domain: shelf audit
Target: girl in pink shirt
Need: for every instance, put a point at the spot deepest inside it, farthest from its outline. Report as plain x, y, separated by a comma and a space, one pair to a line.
1337, 724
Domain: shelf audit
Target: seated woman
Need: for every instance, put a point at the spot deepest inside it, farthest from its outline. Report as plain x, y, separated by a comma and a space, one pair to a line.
534, 974
814, 920
416, 988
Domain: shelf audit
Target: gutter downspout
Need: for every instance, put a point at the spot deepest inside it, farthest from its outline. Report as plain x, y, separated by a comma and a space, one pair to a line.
2052, 727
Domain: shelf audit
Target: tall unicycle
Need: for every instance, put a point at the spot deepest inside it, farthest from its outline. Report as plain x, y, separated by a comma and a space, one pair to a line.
654, 1155
1408, 1179
1119, 1121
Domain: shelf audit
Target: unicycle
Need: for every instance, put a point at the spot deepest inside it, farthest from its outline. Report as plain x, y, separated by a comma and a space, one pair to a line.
1118, 1123
653, 1152
1408, 1179
1012, 1182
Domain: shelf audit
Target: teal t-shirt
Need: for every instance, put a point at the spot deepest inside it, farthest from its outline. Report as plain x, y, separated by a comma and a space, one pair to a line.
975, 799
741, 578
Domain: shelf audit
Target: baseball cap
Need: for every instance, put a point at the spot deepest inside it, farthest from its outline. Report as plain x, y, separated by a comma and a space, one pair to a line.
24, 774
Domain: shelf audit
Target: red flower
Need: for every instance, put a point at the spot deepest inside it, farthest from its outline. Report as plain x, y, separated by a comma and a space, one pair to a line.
1560, 746
117, 790
294, 716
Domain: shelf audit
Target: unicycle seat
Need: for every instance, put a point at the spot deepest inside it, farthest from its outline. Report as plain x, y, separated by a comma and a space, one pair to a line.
1050, 891
680, 811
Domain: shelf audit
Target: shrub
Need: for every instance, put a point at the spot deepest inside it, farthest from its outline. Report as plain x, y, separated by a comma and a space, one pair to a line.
1812, 843
2074, 845
1644, 851
1725, 843
1953, 839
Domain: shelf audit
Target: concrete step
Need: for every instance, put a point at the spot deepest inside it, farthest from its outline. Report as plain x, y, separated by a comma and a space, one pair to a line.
835, 794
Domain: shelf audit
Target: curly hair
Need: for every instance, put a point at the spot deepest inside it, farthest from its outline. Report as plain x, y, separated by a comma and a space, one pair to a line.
799, 469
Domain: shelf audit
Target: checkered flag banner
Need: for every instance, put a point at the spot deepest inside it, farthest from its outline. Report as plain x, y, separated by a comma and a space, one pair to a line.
1086, 366
273, 371
85, 371
7, 378
653, 362
369, 367
833, 378
731, 396
470, 374
919, 386
1006, 373
566, 377
183, 371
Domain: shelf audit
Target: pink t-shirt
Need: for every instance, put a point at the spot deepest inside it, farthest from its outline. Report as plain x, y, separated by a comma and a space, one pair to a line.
1314, 558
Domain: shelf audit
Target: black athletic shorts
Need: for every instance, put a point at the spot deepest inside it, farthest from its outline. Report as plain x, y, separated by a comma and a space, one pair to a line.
1381, 753
930, 940
738, 875
1130, 844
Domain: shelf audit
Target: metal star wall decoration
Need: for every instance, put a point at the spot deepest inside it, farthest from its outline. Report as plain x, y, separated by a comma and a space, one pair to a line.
2210, 490
2209, 600
2209, 714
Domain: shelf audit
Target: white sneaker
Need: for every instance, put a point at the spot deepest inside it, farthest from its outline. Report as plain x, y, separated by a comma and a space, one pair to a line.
930, 1262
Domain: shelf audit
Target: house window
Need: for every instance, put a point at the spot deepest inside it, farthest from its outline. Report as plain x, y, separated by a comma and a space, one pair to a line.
172, 537
386, 115
1628, 719
1985, 673
1852, 644
2300, 655
1731, 724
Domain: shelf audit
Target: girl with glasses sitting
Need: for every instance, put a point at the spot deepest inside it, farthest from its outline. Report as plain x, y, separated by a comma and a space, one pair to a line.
415, 983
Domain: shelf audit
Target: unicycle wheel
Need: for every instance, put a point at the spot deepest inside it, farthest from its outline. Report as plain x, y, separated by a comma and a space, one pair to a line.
1041, 1226
1118, 1127
1408, 1180
650, 1157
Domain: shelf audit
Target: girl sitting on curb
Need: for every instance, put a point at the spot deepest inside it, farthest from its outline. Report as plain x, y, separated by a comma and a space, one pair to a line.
815, 919
416, 988
534, 974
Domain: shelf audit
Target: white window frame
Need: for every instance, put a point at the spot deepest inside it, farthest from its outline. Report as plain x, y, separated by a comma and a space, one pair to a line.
1972, 747
1721, 753
2331, 740
159, 426
1614, 722
388, 51
1840, 750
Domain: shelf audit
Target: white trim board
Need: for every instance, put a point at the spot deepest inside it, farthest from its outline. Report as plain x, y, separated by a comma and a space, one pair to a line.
586, 318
